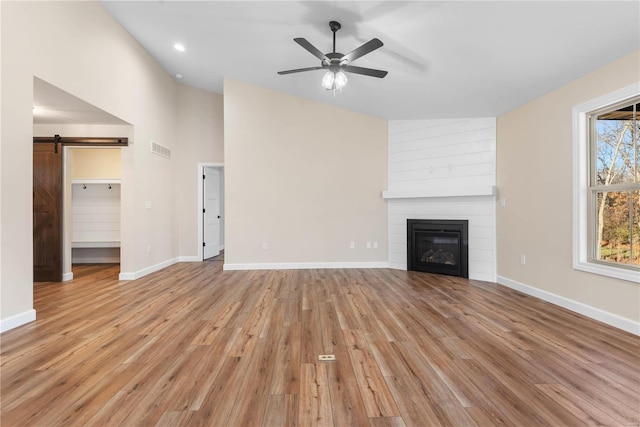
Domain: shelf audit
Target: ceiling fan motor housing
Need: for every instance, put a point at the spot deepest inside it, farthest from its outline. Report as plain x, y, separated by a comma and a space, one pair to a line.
336, 61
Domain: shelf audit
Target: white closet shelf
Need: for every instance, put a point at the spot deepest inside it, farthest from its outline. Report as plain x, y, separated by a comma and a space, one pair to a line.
95, 181
96, 244
485, 190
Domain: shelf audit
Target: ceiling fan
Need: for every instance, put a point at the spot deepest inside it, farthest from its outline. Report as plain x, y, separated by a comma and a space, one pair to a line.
336, 63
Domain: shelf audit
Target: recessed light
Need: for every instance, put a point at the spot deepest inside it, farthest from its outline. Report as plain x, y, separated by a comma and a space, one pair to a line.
179, 47
178, 76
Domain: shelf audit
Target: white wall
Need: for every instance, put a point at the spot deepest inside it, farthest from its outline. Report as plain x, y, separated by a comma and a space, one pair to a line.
303, 177
535, 176
429, 159
201, 140
95, 223
92, 57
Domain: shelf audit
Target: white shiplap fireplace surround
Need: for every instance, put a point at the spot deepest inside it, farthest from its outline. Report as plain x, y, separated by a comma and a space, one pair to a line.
444, 169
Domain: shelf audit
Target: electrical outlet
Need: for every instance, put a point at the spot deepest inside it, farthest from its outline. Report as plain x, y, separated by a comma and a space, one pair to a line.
368, 245
522, 259
503, 202
147, 204
265, 246
148, 249
352, 245
375, 245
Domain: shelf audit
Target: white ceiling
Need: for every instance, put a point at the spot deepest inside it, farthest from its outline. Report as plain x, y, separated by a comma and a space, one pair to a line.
52, 105
445, 59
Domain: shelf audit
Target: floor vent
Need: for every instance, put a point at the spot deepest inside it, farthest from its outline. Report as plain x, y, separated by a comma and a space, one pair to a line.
326, 357
160, 150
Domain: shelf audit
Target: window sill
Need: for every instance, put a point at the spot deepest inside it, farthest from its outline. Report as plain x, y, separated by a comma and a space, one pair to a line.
609, 271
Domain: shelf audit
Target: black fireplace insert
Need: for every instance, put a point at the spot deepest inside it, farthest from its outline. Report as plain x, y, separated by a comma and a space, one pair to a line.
438, 246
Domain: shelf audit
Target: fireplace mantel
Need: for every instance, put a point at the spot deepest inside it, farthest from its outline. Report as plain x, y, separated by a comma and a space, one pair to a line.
483, 190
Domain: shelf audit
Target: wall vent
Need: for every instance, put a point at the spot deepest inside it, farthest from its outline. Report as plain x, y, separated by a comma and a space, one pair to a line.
160, 150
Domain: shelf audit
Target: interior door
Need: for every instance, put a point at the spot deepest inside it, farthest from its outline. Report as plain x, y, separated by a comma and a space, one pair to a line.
211, 214
47, 212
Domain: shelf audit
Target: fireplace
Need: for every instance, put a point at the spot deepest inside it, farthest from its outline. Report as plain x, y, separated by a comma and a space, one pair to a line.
438, 246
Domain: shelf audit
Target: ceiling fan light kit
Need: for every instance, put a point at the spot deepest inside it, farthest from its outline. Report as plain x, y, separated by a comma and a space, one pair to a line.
334, 80
336, 64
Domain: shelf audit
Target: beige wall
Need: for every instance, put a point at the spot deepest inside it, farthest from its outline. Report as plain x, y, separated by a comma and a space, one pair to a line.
306, 178
91, 57
534, 175
95, 163
201, 140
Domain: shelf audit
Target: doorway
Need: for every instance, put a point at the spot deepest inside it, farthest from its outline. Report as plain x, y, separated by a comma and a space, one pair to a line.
92, 203
56, 112
211, 209
49, 196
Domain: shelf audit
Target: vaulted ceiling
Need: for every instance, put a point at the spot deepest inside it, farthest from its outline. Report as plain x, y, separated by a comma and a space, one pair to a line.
445, 58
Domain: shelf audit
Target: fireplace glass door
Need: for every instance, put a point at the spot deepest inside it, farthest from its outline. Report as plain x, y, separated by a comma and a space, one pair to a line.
439, 252
438, 246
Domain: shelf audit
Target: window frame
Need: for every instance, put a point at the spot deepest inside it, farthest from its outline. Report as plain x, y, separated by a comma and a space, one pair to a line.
583, 232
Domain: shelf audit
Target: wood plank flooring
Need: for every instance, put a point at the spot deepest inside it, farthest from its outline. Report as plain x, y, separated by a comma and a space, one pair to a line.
195, 346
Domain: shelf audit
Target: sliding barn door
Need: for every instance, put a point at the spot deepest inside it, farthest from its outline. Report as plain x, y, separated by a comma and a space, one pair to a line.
47, 212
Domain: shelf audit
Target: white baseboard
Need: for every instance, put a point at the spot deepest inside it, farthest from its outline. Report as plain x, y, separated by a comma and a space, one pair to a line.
305, 265
67, 276
189, 259
481, 276
152, 269
17, 320
575, 306
398, 265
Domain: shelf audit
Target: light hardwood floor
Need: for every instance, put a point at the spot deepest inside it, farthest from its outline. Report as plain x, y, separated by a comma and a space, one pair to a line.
193, 345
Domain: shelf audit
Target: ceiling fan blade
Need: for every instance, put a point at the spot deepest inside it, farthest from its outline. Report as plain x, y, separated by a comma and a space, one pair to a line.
364, 71
299, 70
311, 48
369, 46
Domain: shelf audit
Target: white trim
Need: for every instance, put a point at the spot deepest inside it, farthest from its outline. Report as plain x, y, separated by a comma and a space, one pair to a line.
127, 276
398, 265
581, 185
193, 258
78, 181
305, 265
67, 276
152, 269
17, 320
610, 271
483, 190
611, 319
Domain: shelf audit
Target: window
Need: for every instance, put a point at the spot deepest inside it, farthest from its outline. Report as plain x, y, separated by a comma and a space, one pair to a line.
614, 184
607, 184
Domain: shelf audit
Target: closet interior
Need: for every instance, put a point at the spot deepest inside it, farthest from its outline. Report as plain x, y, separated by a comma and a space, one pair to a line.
95, 205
